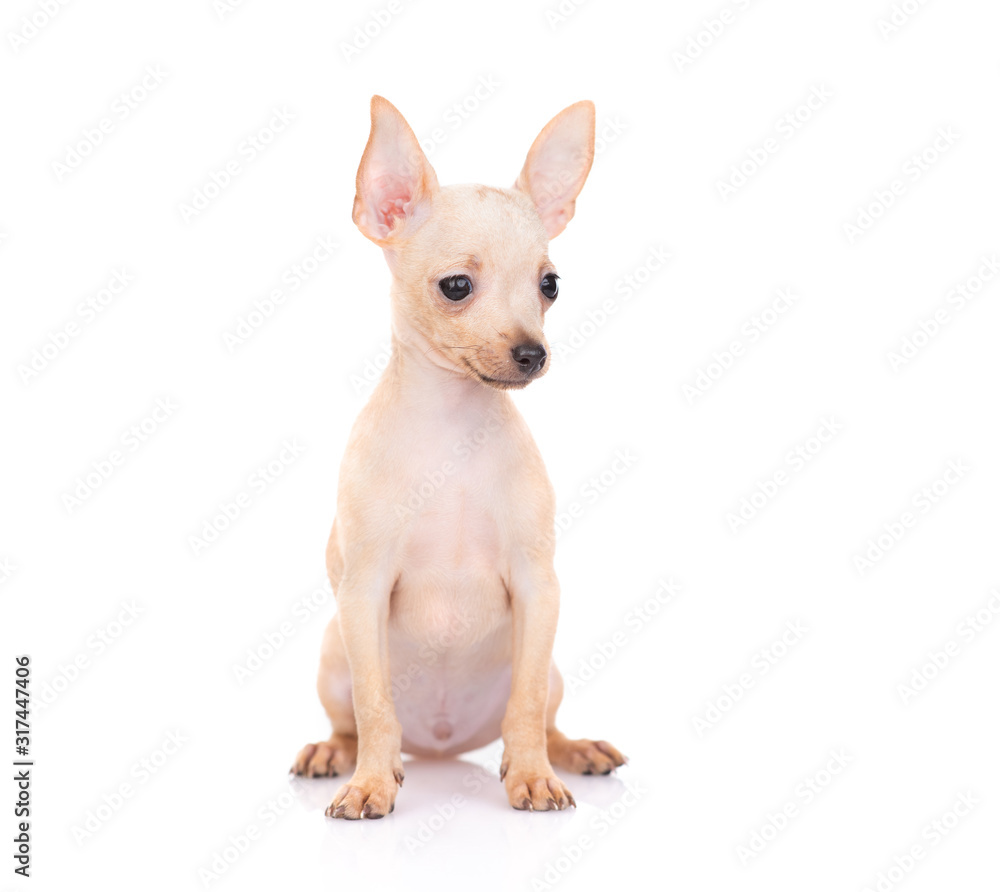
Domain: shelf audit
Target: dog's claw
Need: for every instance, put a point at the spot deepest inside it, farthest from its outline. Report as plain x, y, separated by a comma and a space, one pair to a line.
328, 758
584, 756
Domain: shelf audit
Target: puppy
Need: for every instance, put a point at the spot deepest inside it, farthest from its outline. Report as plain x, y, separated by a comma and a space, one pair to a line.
441, 554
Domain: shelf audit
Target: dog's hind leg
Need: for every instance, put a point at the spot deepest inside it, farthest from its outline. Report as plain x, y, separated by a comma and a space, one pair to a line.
579, 756
337, 755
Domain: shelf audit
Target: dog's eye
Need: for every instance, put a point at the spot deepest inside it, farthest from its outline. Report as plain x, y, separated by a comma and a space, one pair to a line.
550, 286
456, 287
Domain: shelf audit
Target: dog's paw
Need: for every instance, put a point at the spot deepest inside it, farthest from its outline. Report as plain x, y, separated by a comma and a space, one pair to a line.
584, 756
366, 797
327, 759
536, 791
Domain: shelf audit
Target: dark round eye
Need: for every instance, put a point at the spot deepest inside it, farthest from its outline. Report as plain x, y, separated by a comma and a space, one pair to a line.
456, 287
550, 286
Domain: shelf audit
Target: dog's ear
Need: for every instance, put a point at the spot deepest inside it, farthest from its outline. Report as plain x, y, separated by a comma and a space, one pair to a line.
557, 165
395, 180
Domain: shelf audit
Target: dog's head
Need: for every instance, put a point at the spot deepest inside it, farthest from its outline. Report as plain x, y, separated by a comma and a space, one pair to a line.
472, 275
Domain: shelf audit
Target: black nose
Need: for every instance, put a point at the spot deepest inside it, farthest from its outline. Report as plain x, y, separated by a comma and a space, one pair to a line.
530, 357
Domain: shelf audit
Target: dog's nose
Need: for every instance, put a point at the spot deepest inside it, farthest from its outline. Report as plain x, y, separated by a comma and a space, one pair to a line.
530, 357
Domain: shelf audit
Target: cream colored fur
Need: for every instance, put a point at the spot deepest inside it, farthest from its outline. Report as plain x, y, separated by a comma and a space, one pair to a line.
441, 555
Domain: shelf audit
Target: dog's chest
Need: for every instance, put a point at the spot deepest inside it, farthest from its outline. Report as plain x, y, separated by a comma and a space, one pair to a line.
452, 550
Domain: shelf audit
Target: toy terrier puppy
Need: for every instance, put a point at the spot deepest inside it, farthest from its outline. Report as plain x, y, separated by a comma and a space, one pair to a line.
441, 554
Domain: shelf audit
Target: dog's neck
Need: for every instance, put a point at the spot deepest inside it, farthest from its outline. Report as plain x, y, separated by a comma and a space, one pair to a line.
445, 393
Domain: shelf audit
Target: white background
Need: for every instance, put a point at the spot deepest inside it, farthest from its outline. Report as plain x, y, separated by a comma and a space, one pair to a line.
672, 130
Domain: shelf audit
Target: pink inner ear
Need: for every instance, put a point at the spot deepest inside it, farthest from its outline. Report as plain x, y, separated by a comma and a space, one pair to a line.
392, 196
557, 165
557, 172
555, 217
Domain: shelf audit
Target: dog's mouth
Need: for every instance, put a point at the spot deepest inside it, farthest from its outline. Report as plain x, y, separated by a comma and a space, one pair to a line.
498, 383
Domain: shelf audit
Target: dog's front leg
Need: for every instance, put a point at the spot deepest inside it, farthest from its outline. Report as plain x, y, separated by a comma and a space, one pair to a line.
363, 604
525, 769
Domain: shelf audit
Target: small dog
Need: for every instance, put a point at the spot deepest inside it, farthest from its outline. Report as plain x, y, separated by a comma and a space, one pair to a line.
441, 553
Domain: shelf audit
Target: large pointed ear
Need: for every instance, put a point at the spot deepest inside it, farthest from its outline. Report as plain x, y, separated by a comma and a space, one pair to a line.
395, 180
558, 163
